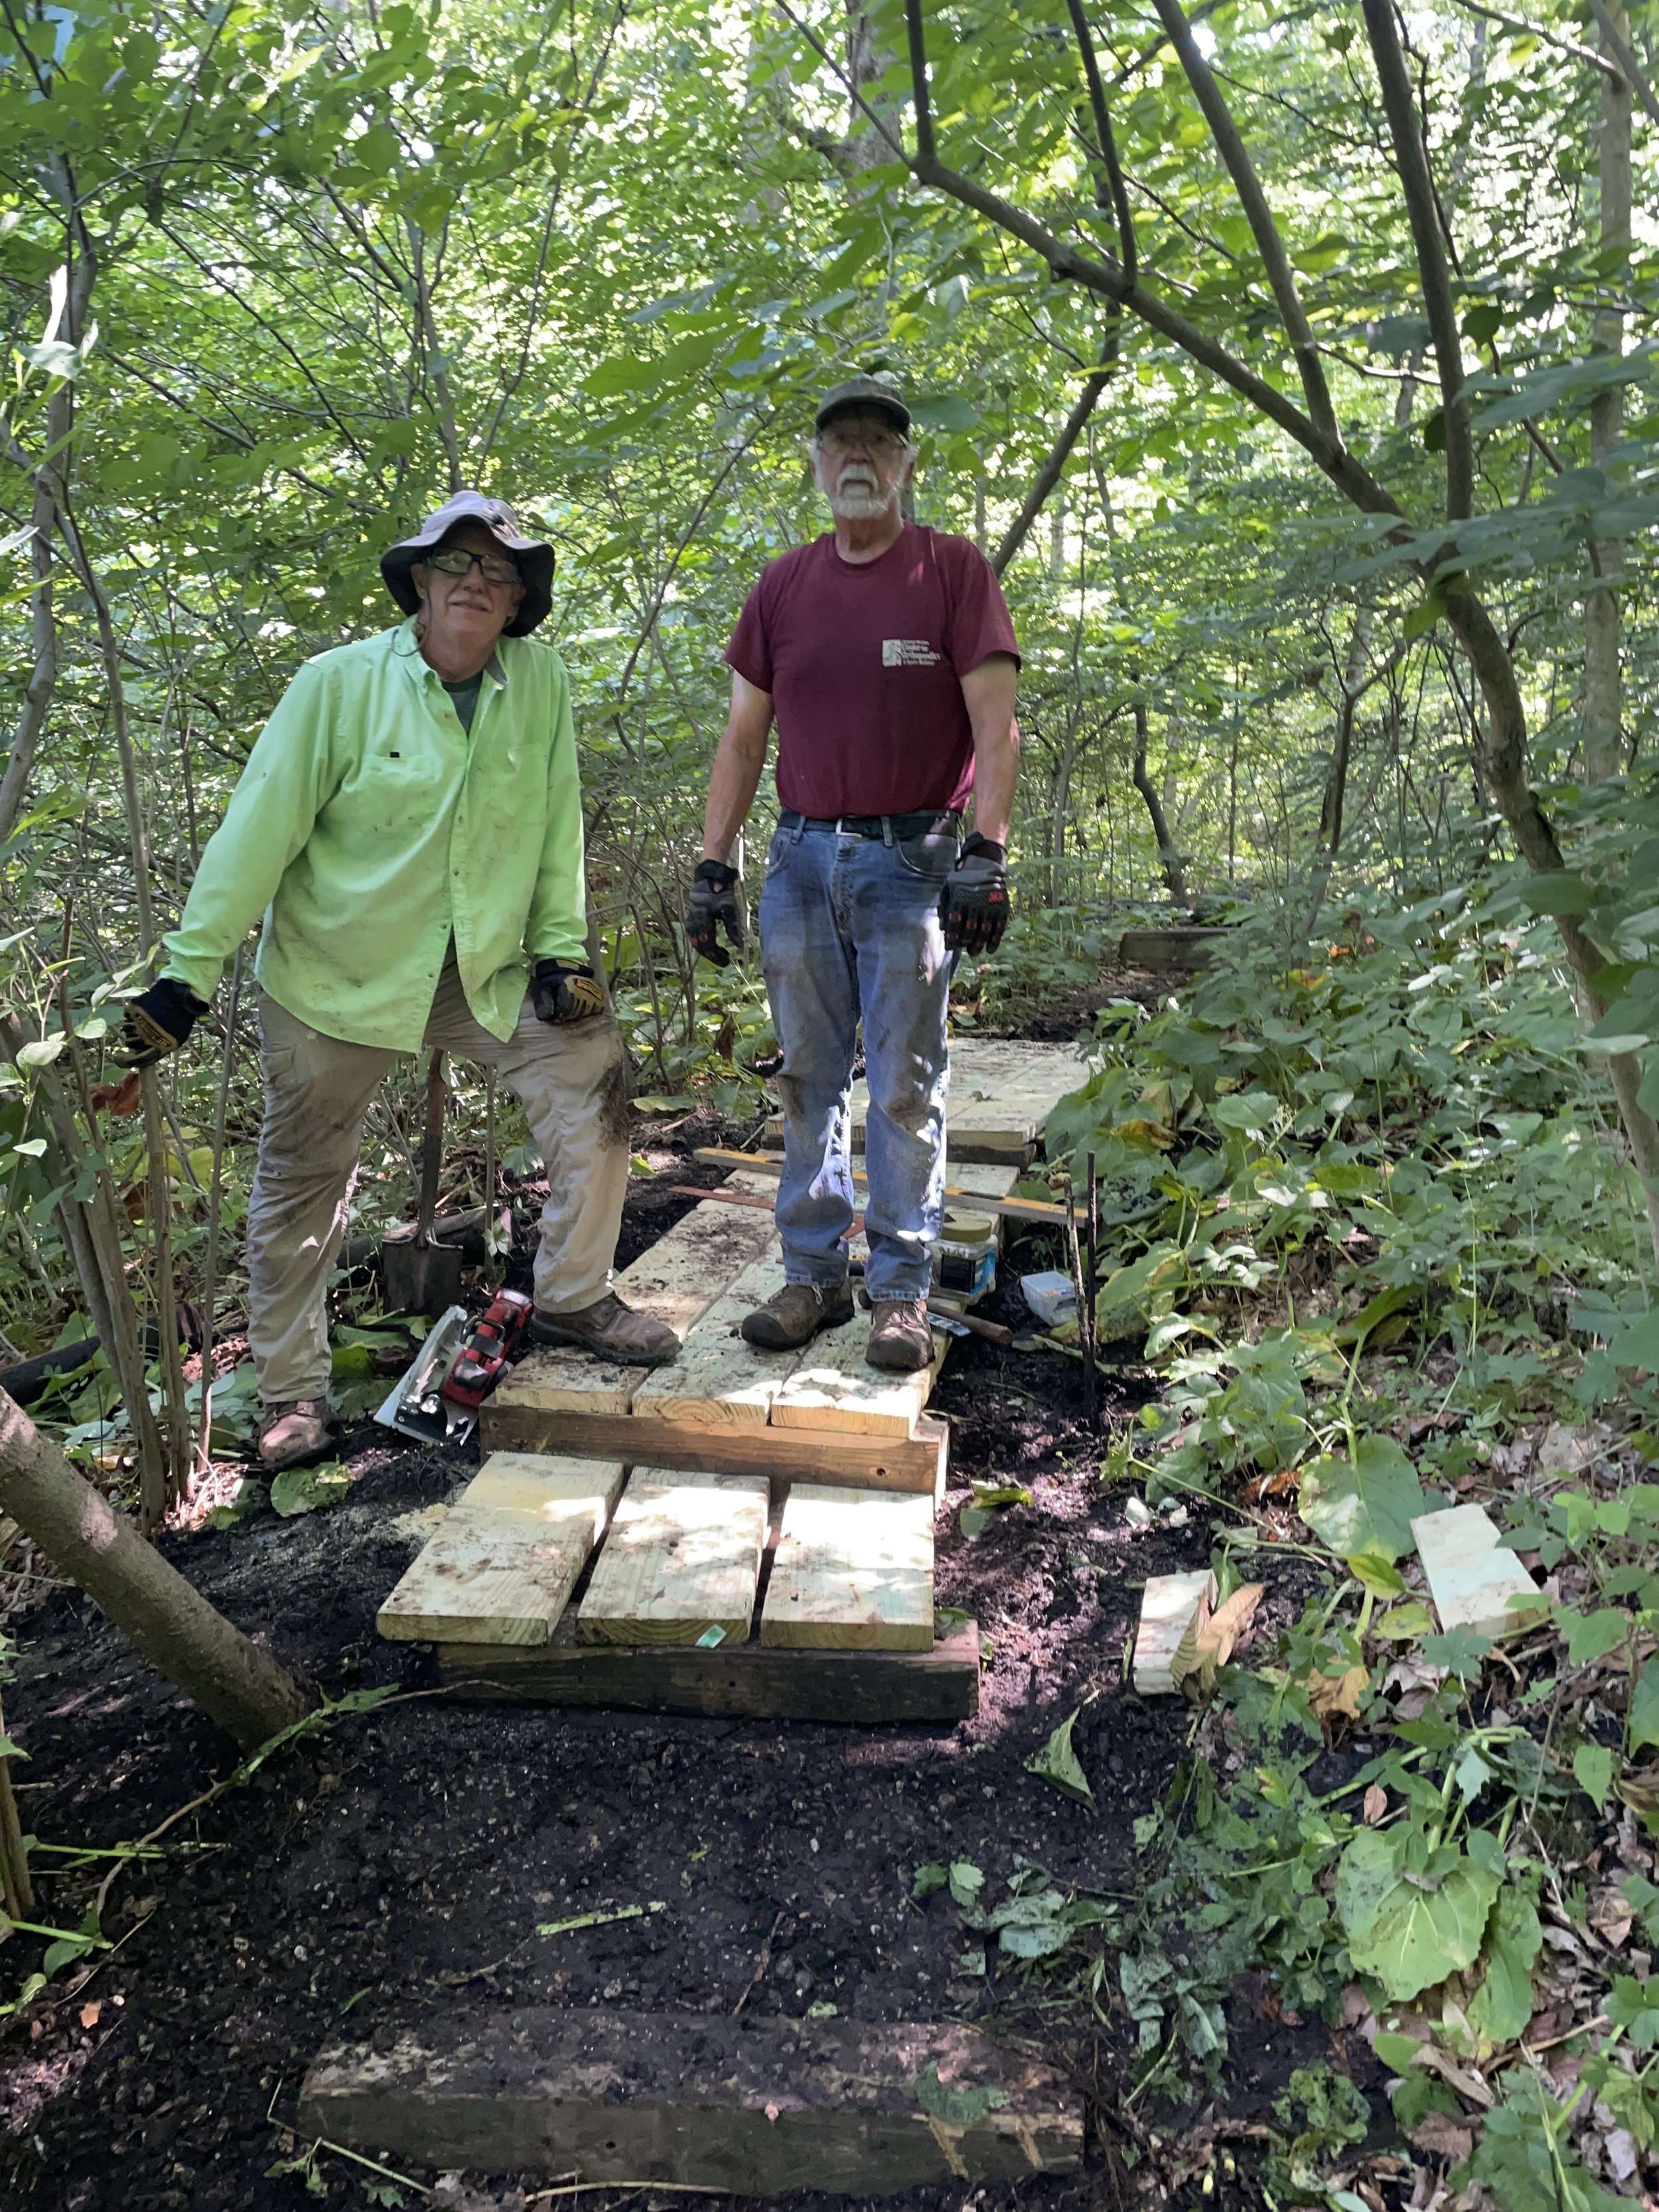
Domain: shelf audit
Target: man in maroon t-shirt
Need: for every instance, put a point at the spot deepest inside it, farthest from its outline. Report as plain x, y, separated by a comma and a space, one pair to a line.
886, 654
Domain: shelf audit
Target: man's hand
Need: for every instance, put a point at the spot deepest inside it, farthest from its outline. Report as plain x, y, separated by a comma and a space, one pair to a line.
562, 993
712, 901
155, 1023
974, 907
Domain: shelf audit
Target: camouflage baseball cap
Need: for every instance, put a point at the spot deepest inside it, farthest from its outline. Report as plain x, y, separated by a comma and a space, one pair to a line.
864, 392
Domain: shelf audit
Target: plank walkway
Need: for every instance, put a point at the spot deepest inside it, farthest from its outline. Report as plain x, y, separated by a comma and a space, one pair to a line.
1002, 1090
682, 1563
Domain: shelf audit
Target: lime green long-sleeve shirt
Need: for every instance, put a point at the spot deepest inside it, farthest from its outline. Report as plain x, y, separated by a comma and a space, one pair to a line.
368, 825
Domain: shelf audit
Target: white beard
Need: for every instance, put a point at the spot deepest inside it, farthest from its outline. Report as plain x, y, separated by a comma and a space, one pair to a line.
859, 498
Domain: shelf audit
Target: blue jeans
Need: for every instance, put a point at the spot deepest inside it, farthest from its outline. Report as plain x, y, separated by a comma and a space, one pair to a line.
850, 928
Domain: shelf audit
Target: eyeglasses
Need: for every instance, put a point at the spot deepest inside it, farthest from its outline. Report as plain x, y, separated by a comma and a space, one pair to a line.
456, 560
881, 443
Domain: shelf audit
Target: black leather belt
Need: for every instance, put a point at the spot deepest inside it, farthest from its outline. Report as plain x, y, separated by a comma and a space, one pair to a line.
892, 828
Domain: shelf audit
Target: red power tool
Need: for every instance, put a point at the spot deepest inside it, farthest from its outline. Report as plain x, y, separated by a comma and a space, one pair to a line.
488, 1352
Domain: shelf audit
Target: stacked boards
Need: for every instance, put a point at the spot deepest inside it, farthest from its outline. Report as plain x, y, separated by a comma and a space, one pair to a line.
702, 1596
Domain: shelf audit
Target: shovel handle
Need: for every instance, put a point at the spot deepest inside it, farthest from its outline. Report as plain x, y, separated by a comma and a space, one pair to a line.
432, 1147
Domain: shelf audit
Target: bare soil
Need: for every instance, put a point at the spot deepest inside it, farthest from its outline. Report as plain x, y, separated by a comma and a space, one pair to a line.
401, 1862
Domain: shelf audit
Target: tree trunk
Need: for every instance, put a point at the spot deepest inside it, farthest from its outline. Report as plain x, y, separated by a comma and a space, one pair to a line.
1603, 742
1169, 858
244, 1688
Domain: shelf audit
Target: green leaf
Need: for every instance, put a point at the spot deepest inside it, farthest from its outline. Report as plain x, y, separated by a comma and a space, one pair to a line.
1562, 892
958, 2105
303, 1489
1058, 1763
1404, 1623
1592, 1770
927, 1879
966, 1882
1373, 1573
1592, 1635
1643, 1719
1365, 1504
1249, 1110
1502, 2006
1410, 1936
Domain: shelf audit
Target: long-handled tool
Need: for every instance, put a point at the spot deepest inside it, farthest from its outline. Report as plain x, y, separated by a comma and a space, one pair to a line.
419, 1274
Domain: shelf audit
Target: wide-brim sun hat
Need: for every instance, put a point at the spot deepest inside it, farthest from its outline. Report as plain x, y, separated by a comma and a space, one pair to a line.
533, 554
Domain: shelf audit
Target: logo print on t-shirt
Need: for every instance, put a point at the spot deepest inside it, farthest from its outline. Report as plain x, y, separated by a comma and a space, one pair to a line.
908, 652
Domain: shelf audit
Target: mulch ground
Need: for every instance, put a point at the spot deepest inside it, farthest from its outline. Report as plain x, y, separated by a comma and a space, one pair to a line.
399, 1864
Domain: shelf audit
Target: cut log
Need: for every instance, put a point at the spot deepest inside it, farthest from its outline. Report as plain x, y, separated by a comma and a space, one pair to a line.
501, 1567
870, 1463
1181, 951
849, 2108
862, 1689
853, 1572
243, 1687
682, 1562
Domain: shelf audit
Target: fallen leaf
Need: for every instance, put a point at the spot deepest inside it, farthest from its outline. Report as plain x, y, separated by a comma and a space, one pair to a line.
117, 1098
1611, 1915
1375, 1804
1212, 1642
1468, 2085
1443, 2136
90, 2013
1333, 1694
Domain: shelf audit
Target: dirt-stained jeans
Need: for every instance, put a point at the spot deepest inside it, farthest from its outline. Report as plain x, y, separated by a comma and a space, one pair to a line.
572, 1082
850, 929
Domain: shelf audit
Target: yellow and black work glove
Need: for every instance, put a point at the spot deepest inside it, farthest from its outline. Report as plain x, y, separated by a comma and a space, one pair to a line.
155, 1023
710, 904
562, 992
974, 907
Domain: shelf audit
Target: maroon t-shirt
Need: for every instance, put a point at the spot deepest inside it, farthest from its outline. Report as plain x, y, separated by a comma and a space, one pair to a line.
864, 662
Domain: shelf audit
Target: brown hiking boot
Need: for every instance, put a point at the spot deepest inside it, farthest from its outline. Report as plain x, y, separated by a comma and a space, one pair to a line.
294, 1431
793, 1315
610, 1330
899, 1335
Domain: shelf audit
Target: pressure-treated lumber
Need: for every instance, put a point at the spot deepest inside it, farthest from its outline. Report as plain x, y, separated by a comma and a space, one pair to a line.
863, 1689
678, 1277
559, 1379
499, 1568
682, 1562
1002, 1092
718, 1380
847, 2107
243, 1687
872, 1462
1472, 1577
1172, 1608
983, 1186
853, 1572
831, 1386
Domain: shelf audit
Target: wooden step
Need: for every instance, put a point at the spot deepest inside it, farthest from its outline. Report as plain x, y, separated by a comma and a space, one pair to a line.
501, 1566
865, 1689
853, 1572
787, 1455
844, 2106
831, 1386
718, 1380
681, 1562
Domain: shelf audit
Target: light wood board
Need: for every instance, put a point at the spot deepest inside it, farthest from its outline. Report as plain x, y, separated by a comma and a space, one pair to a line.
680, 1276
847, 2106
718, 1380
853, 1572
682, 1561
1002, 1090
832, 1387
915, 1462
500, 1567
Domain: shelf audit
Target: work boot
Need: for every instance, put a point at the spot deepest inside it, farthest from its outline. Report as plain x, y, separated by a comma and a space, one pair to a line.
899, 1335
294, 1431
793, 1315
610, 1330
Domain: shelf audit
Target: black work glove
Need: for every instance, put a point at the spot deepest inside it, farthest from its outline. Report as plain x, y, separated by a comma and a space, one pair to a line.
712, 900
974, 907
562, 992
156, 1023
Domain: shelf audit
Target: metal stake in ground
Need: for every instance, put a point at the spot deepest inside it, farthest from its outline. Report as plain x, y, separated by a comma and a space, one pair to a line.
1085, 1333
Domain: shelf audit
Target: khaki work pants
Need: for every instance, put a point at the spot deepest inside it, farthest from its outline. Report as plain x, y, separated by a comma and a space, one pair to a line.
572, 1082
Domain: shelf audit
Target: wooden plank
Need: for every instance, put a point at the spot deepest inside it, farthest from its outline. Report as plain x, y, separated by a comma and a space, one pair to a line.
982, 1184
718, 1380
558, 1379
679, 1277
700, 2101
832, 1387
500, 1567
1472, 1577
682, 1562
1171, 1606
829, 1456
866, 1689
853, 1572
